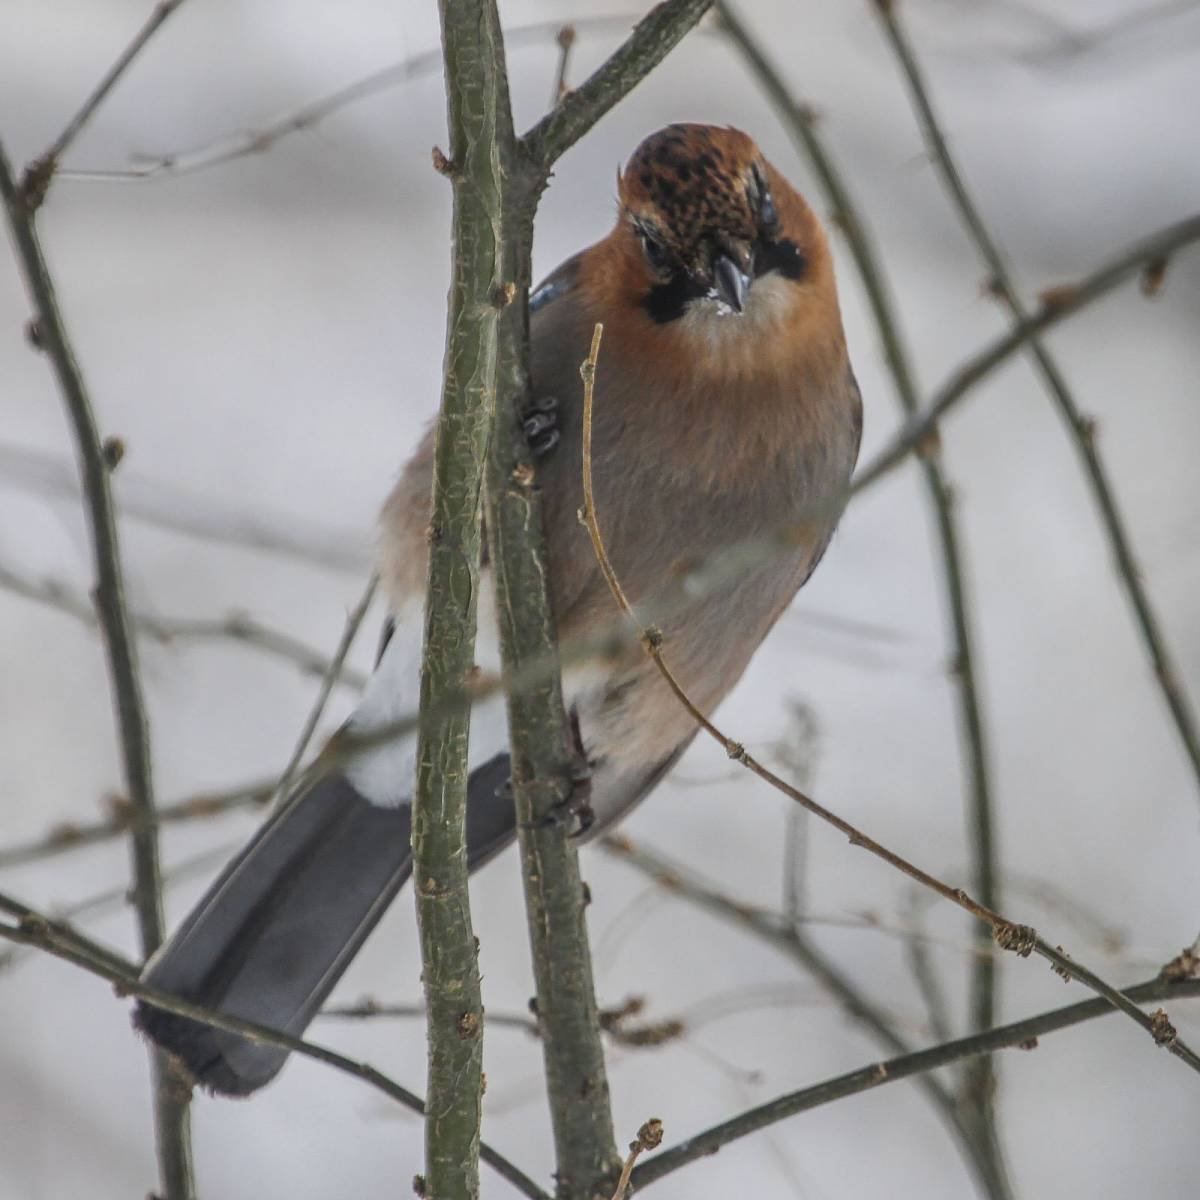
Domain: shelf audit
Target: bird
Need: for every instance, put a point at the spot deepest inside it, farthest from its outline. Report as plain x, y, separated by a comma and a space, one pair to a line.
726, 410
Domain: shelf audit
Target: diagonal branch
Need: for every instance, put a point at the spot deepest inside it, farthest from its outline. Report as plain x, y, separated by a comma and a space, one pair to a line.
40, 172
172, 1125
1021, 939
236, 627
55, 938
1019, 1033
801, 124
1080, 428
653, 38
1057, 305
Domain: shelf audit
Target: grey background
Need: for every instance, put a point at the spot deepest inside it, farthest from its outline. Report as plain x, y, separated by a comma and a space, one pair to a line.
266, 337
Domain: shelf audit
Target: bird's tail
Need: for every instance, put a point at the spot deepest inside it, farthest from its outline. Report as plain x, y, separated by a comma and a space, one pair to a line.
281, 924
277, 929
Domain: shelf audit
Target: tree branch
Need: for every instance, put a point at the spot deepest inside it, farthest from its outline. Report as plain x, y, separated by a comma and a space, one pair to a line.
1021, 939
1019, 1033
39, 173
801, 124
1057, 305
653, 38
35, 929
236, 627
172, 1126
1080, 428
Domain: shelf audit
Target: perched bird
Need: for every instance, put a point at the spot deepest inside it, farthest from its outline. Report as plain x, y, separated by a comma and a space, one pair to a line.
726, 408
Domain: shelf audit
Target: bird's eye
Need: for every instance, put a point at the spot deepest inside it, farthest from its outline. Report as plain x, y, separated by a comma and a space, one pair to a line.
768, 216
656, 252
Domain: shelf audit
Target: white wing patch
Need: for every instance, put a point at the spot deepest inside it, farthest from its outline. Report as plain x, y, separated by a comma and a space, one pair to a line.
386, 774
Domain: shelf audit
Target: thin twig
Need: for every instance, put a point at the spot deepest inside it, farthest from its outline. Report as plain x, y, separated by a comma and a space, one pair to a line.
172, 1126
236, 627
39, 173
1021, 939
35, 929
70, 835
1019, 1033
652, 39
1080, 428
308, 116
209, 518
1057, 305
565, 40
649, 1137
801, 123
333, 673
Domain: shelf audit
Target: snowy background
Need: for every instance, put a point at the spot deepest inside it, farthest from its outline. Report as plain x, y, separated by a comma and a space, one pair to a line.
266, 337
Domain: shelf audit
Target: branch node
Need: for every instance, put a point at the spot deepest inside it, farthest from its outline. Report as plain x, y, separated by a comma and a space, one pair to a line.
35, 181
1020, 939
503, 294
443, 165
1152, 277
33, 333
113, 450
1161, 1029
468, 1026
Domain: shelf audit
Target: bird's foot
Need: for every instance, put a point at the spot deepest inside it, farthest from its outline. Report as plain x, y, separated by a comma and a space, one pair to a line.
539, 422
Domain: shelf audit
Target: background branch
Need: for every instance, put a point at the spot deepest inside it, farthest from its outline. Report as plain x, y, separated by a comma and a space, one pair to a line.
1019, 1033
800, 122
171, 1119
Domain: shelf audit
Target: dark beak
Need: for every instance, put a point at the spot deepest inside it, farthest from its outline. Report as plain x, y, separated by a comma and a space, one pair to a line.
731, 282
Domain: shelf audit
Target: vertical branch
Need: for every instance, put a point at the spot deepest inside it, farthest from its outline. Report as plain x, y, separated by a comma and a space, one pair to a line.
477, 103
587, 1162
171, 1117
555, 896
800, 123
1081, 428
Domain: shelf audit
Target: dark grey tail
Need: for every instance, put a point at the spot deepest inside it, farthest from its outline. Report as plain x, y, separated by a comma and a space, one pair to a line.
279, 927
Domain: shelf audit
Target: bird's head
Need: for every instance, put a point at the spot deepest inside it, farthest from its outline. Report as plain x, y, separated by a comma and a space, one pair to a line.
713, 246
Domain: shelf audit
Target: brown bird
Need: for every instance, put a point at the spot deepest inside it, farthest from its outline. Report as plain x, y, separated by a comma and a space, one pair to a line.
726, 409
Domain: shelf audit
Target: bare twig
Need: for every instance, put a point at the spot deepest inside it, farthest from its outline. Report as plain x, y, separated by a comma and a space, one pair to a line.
652, 39
1057, 305
206, 517
35, 929
308, 116
565, 40
39, 173
649, 1137
172, 1127
1080, 428
1021, 939
1019, 1033
236, 627
333, 673
801, 123
71, 835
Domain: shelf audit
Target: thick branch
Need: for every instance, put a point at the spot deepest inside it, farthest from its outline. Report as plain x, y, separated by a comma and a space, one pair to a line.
172, 1127
477, 103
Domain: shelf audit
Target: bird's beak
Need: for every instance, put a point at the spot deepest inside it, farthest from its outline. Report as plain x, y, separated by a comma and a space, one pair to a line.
731, 282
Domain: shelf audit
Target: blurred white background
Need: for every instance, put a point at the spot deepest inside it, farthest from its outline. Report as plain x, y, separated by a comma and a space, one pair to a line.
266, 337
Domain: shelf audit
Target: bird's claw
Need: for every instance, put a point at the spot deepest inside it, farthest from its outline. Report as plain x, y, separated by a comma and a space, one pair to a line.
539, 423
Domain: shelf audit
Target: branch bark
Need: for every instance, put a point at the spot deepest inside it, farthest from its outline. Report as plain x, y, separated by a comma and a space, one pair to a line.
542, 750
171, 1116
477, 104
